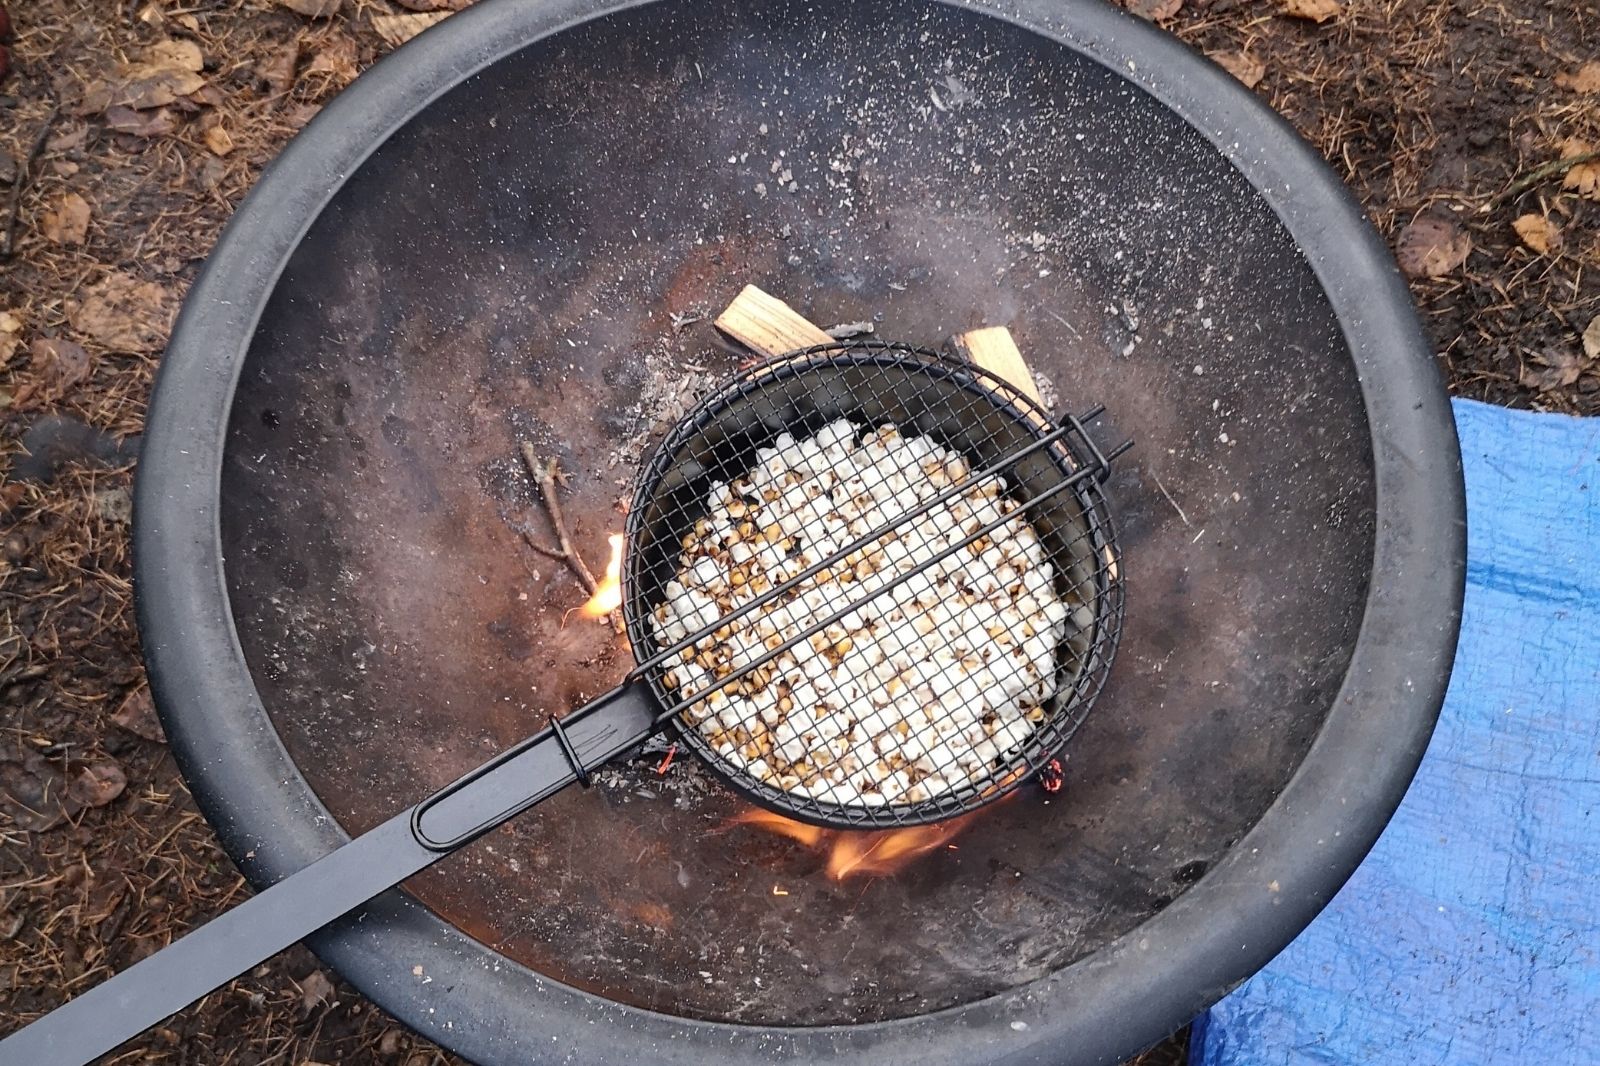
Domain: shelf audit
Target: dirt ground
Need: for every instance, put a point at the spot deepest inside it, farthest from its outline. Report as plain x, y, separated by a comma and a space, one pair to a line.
129, 130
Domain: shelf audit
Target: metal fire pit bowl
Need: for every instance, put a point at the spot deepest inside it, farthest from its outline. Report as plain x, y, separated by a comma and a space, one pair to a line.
515, 229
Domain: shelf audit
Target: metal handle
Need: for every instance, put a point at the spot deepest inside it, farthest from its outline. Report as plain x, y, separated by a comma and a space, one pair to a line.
302, 903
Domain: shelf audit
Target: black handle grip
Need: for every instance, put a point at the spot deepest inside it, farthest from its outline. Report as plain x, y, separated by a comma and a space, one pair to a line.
294, 908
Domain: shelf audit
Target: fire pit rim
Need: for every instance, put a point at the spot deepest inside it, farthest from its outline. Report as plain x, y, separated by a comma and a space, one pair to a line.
1124, 996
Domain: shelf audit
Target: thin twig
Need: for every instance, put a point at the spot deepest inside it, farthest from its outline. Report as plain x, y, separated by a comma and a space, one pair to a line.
21, 182
1170, 500
542, 549
1553, 169
546, 473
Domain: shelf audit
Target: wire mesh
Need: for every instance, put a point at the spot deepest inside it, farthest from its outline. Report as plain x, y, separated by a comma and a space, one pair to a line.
871, 585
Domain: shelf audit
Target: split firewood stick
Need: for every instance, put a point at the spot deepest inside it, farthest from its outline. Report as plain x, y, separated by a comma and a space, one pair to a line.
994, 350
768, 326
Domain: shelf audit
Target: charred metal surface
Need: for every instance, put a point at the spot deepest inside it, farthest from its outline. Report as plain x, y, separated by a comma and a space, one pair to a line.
519, 263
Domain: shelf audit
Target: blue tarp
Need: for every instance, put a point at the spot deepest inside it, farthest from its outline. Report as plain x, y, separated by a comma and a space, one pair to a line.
1470, 936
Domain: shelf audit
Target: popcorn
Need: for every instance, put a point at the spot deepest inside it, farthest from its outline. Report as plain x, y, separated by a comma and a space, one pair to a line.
918, 689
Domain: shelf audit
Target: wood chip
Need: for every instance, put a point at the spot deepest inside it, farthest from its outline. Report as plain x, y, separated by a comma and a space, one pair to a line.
1538, 233
996, 351
1586, 79
767, 325
1591, 338
1432, 247
1242, 65
398, 29
1318, 11
68, 221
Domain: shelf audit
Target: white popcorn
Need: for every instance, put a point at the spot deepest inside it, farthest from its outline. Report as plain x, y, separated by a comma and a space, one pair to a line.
915, 691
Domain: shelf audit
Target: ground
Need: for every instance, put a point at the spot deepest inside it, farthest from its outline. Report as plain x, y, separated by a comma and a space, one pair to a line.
127, 134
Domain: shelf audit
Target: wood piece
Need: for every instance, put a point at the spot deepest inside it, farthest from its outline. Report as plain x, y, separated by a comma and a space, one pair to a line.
767, 325
994, 350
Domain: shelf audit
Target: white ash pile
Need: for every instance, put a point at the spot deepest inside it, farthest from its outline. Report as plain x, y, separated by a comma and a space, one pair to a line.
922, 689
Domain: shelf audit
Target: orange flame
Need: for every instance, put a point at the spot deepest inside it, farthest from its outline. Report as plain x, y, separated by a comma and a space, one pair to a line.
608, 594
875, 852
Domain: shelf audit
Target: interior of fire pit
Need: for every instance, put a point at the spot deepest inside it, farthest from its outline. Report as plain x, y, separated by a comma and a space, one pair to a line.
535, 256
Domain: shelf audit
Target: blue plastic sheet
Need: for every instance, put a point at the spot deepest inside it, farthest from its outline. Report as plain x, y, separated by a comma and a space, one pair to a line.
1470, 934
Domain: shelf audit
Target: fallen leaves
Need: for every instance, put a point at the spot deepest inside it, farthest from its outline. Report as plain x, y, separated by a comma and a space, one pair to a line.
1591, 338
1559, 369
35, 795
315, 990
137, 715
276, 71
166, 72
1318, 11
97, 784
1154, 10
1432, 247
219, 140
58, 365
1582, 177
335, 59
67, 222
10, 336
154, 123
1586, 79
1538, 233
398, 29
315, 9
123, 313
1242, 65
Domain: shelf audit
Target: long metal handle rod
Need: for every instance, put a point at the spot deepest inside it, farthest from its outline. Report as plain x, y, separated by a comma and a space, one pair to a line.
207, 958
966, 484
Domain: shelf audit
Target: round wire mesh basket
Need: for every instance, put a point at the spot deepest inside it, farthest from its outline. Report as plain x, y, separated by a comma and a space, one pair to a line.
906, 572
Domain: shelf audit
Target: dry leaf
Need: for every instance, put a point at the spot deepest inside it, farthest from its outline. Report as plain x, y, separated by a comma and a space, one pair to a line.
1318, 11
277, 70
147, 85
1561, 370
218, 140
1591, 338
1538, 233
33, 794
315, 990
316, 9
97, 784
1583, 178
1154, 9
398, 29
68, 221
58, 365
1432, 247
1242, 65
336, 58
137, 715
1586, 79
156, 123
179, 53
124, 313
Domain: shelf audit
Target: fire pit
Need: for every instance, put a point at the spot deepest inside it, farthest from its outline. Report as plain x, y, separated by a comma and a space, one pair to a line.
517, 230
